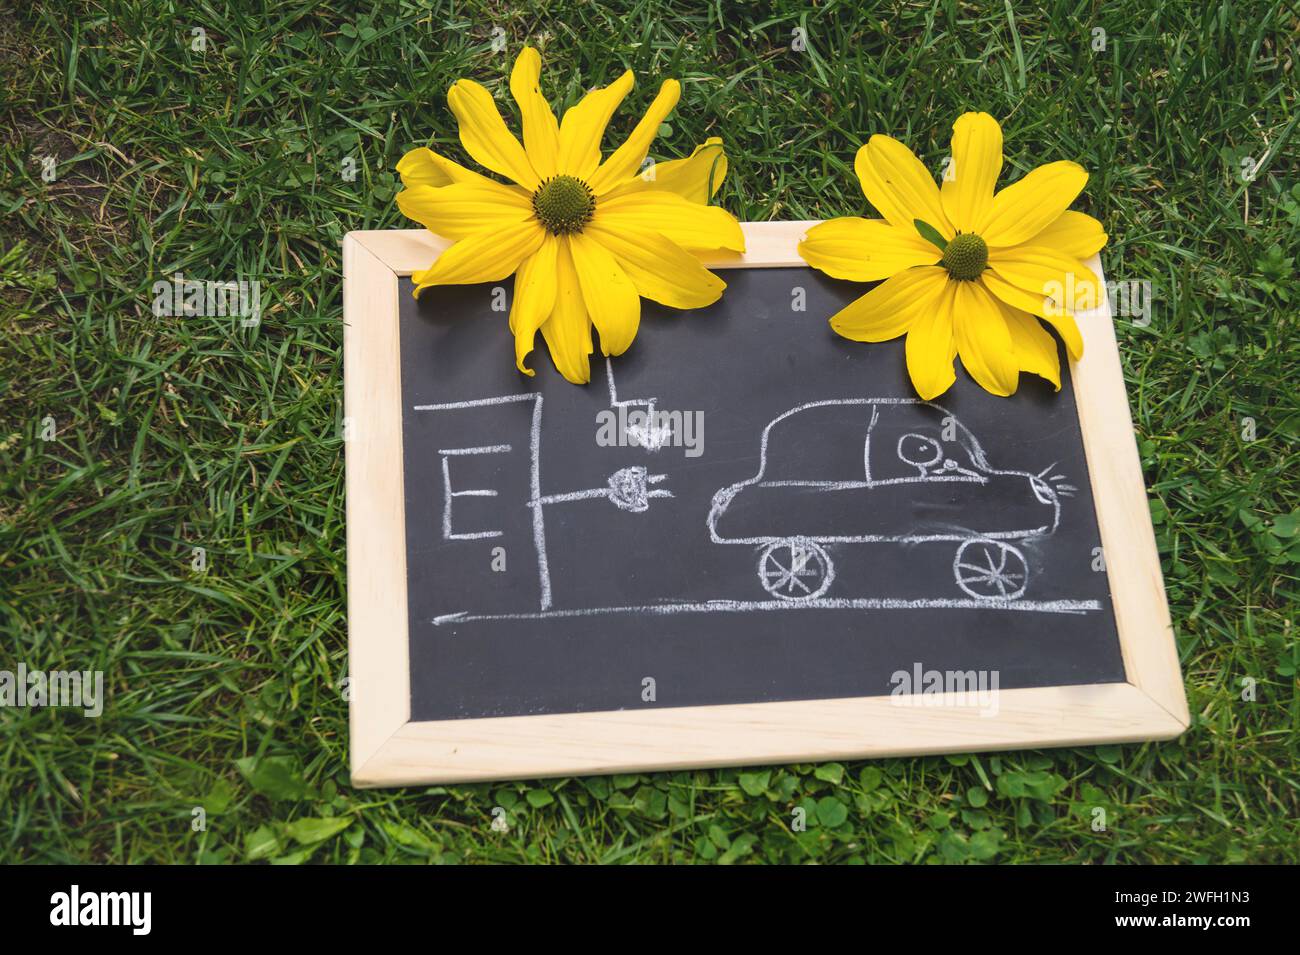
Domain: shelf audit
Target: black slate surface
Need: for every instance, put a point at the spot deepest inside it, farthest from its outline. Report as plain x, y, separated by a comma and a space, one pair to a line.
638, 595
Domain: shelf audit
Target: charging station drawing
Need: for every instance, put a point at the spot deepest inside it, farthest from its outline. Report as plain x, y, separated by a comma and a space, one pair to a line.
628, 489
794, 516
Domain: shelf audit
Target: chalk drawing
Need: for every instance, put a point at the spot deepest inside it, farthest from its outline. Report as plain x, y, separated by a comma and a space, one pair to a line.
628, 489
798, 567
488, 449
990, 569
650, 436
785, 564
535, 475
448, 494
823, 603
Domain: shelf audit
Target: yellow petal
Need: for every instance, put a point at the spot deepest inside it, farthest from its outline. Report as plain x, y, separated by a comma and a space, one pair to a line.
484, 135
690, 225
483, 257
899, 186
696, 178
1031, 302
1068, 329
584, 125
970, 178
1035, 304
611, 298
931, 346
1074, 234
659, 269
1025, 208
541, 131
864, 250
424, 167
534, 298
1035, 348
892, 307
983, 339
568, 330
461, 209
625, 162
1067, 282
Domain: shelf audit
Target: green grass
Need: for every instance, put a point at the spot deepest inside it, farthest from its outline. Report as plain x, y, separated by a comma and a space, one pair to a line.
224, 686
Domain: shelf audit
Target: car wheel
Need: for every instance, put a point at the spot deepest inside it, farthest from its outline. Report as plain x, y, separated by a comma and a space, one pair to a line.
990, 570
795, 569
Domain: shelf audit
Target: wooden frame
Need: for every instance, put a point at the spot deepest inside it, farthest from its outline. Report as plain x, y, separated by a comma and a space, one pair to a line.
390, 750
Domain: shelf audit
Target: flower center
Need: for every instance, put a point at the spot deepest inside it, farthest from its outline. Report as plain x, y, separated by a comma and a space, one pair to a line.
564, 204
966, 256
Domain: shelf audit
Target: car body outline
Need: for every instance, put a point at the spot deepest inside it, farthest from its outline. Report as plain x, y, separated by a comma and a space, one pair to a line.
1004, 578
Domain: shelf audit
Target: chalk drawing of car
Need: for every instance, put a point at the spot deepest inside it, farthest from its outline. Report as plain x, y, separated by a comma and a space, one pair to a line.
883, 470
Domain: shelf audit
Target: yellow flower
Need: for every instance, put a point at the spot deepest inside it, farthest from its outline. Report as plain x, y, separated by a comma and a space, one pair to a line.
966, 271
584, 238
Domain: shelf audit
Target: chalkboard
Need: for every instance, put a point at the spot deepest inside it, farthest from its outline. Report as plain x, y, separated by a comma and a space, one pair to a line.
792, 524
745, 540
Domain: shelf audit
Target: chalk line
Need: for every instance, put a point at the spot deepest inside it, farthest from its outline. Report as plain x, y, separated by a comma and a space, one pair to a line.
477, 402
535, 503
574, 496
485, 449
823, 603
